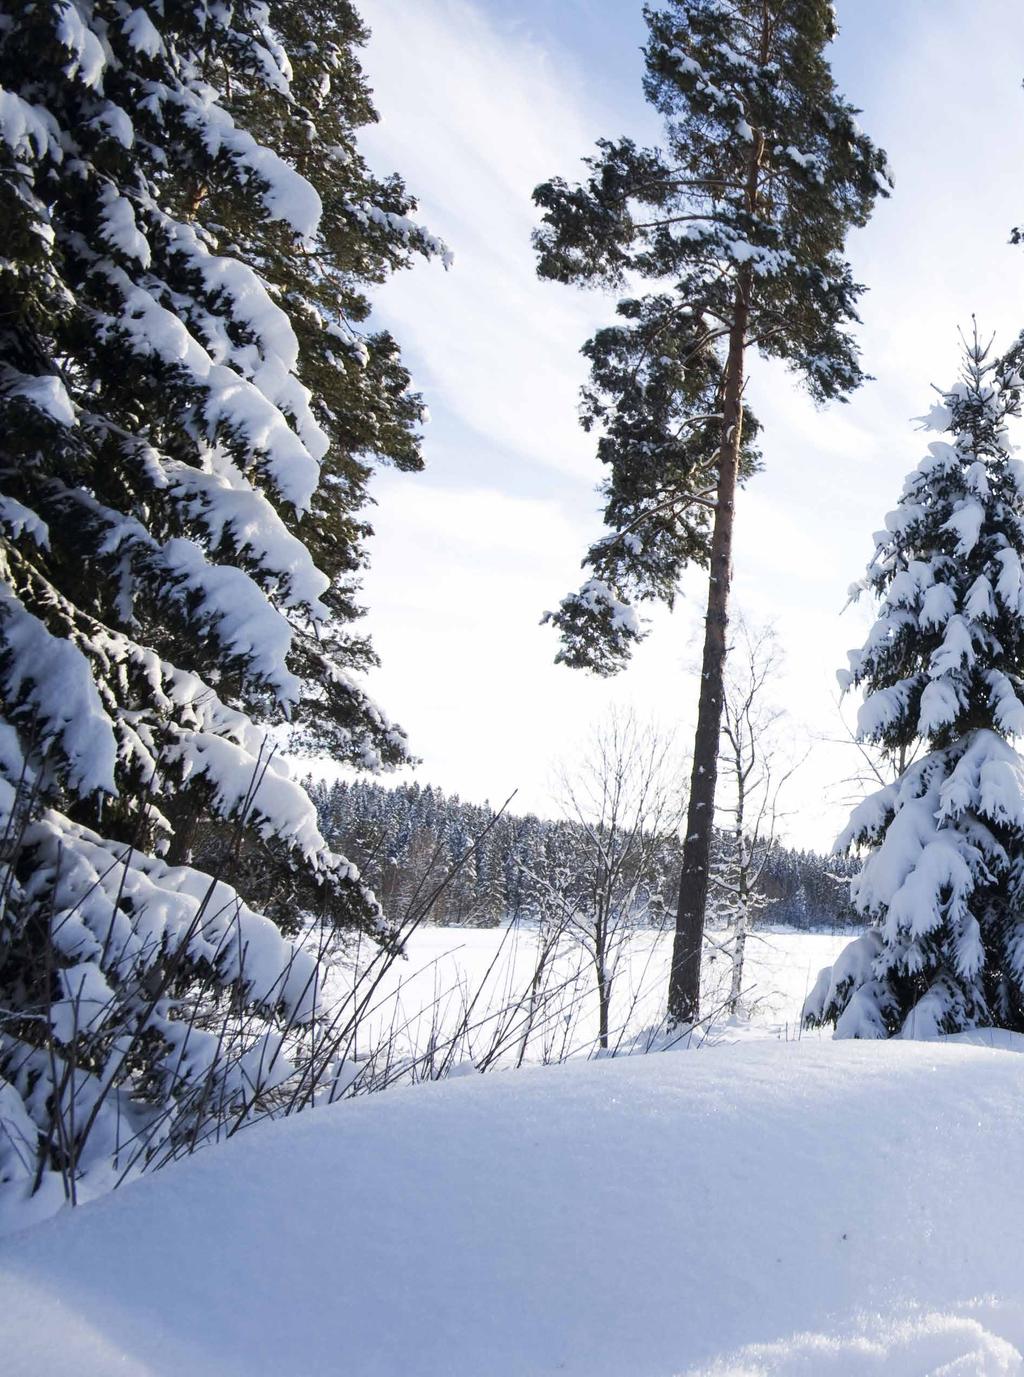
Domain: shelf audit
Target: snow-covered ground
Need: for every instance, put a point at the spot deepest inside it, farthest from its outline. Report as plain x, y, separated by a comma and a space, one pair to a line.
490, 971
769, 1207
759, 1203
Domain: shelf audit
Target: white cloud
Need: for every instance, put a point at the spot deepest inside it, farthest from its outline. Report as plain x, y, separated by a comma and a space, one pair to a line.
459, 581
475, 120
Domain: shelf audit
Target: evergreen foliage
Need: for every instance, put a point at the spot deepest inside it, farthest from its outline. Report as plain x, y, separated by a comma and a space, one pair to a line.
406, 839
189, 415
943, 673
654, 398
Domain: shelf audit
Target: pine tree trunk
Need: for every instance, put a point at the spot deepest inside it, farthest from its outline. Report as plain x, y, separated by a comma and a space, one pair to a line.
684, 979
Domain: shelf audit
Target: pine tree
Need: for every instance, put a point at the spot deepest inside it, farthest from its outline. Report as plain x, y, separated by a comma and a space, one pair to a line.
189, 415
654, 396
746, 212
943, 670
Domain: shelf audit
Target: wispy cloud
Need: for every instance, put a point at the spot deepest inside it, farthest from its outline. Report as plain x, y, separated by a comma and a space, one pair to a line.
476, 118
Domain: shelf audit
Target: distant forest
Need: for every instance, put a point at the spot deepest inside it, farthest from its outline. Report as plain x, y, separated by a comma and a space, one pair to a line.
406, 840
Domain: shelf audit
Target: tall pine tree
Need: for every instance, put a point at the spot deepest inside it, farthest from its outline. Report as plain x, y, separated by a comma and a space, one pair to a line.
654, 396
745, 211
943, 671
189, 415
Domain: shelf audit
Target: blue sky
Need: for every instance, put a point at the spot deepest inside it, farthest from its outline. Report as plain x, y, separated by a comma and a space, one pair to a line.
479, 101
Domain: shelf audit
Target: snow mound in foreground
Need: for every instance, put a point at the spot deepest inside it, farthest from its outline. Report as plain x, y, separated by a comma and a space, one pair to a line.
925, 1346
769, 1208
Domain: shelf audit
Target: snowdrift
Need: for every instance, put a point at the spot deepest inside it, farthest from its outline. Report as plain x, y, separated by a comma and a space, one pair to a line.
784, 1208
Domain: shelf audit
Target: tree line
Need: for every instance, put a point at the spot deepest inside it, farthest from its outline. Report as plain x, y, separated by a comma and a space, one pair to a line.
406, 839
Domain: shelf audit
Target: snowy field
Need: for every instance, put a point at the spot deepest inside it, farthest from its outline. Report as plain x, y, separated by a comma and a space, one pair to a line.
483, 978
808, 1209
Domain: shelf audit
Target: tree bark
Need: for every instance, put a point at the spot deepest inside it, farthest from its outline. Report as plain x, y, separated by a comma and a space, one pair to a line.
743, 858
738, 956
601, 973
684, 979
742, 876
603, 1006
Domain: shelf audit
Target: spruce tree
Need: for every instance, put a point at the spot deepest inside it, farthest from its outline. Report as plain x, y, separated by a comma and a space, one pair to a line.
943, 674
745, 212
189, 415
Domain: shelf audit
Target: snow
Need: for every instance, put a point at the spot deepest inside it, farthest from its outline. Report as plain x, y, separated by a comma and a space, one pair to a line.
980, 604
766, 262
232, 400
937, 605
989, 778
1009, 710
287, 195
1011, 578
853, 966
163, 907
932, 1343
908, 583
255, 787
937, 417
407, 229
121, 231
773, 1208
45, 391
223, 500
938, 868
596, 594
86, 999
53, 677
117, 124
965, 523
251, 302
73, 32
810, 162
27, 129
940, 704
882, 708
956, 650
19, 520
424, 995
246, 621
882, 182
142, 34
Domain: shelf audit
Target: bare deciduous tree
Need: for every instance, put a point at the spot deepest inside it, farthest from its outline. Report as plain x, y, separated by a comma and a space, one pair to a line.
625, 804
755, 764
